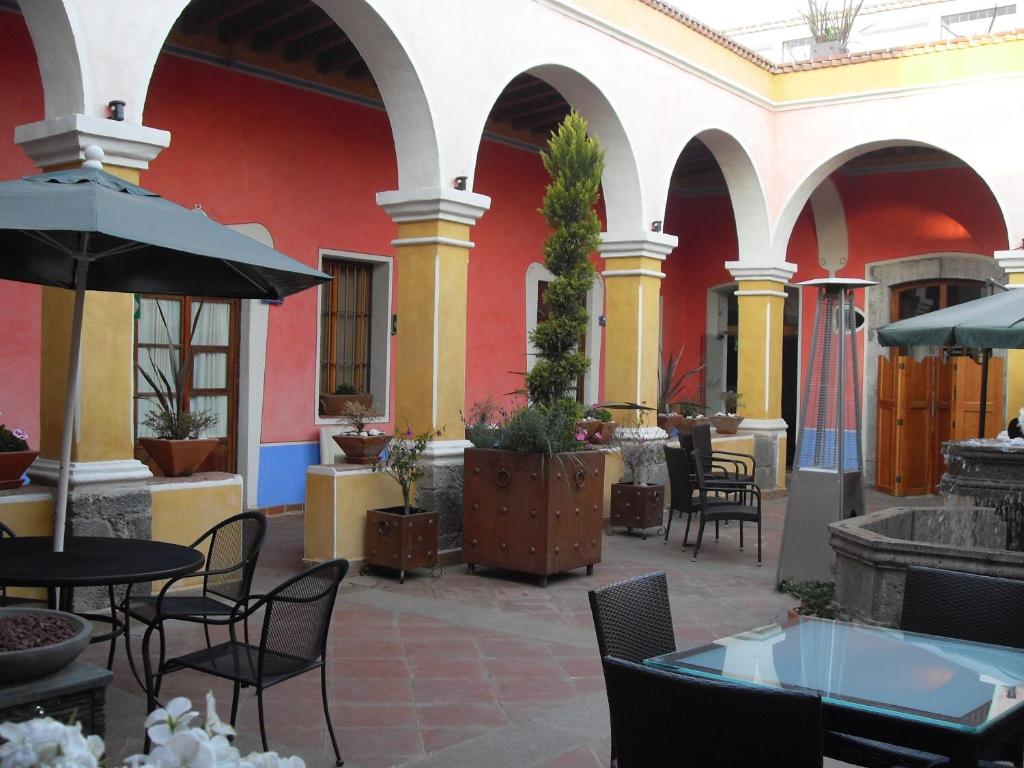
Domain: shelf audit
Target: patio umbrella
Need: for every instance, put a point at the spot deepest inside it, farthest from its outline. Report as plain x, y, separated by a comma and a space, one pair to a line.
991, 322
85, 229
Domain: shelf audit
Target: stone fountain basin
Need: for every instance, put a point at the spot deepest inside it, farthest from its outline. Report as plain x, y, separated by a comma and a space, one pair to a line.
873, 552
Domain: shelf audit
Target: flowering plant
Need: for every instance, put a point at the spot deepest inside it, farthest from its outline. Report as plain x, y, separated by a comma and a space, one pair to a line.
12, 439
400, 460
176, 743
638, 452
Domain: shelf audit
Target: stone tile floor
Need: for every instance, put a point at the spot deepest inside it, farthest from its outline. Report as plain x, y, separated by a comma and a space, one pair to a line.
486, 670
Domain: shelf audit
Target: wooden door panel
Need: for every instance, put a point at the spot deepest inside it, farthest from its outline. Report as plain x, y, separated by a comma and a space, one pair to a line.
915, 390
885, 436
967, 397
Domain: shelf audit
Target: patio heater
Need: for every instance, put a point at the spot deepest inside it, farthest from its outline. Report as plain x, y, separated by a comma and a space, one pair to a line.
826, 482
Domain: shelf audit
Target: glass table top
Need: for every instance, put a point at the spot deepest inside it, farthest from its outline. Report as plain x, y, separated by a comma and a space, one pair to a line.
951, 683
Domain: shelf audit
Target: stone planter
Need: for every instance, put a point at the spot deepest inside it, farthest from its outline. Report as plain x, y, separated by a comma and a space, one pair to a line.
638, 506
726, 425
13, 465
687, 423
593, 427
669, 420
399, 541
362, 449
29, 664
178, 458
873, 552
531, 512
334, 405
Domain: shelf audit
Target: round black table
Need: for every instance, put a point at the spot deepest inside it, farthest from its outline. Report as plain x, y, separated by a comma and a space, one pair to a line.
92, 561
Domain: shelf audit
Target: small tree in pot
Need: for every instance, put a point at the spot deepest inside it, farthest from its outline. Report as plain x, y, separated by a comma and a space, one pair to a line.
360, 444
635, 502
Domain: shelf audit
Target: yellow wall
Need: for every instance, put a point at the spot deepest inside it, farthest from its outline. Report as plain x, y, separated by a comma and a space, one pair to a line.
632, 310
1015, 366
758, 343
28, 512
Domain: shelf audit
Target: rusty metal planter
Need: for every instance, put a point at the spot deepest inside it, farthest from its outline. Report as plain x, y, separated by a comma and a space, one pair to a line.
401, 542
638, 506
532, 513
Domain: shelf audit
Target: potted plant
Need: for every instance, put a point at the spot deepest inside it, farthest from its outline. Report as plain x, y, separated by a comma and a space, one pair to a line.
598, 424
178, 450
727, 422
483, 426
535, 503
817, 598
691, 414
830, 28
334, 404
635, 503
15, 457
403, 537
671, 383
361, 445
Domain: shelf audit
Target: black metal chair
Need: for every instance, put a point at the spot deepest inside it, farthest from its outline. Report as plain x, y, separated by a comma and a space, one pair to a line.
733, 465
7, 601
633, 620
232, 547
723, 498
680, 481
663, 719
964, 606
293, 641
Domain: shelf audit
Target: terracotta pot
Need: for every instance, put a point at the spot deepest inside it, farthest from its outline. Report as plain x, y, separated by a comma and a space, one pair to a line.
594, 427
334, 405
178, 458
669, 420
362, 449
686, 425
13, 465
726, 425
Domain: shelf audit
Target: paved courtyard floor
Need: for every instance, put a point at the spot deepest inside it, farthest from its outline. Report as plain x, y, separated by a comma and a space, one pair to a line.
483, 671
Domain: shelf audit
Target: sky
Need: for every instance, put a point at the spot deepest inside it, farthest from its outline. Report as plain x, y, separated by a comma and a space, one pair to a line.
727, 14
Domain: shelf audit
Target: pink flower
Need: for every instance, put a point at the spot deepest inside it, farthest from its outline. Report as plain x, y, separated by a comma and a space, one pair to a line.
21, 434
598, 437
581, 435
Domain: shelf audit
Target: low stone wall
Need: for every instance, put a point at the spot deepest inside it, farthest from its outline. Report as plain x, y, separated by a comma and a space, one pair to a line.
873, 552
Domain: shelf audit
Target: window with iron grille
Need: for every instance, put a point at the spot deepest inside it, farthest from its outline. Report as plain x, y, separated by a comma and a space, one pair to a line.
346, 320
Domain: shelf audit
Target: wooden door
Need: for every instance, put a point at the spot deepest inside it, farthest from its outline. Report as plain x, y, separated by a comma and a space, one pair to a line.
967, 398
886, 435
915, 426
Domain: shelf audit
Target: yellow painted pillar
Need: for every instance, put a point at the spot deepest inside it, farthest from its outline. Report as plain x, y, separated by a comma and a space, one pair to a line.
1012, 263
432, 262
632, 287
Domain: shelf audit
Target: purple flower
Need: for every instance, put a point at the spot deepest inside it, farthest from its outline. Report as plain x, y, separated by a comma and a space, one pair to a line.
581, 435
598, 437
21, 434
408, 431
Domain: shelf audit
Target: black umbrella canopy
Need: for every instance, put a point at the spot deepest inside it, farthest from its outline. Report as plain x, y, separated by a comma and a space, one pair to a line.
991, 322
136, 241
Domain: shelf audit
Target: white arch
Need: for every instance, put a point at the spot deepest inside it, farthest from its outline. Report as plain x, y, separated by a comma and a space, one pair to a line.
798, 198
623, 194
746, 191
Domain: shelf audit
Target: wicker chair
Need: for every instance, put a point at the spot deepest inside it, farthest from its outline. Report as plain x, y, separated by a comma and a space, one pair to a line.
293, 641
964, 606
677, 461
725, 499
731, 464
662, 719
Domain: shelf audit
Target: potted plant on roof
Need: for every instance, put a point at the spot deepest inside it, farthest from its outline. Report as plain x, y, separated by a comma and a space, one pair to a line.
671, 383
535, 503
334, 404
403, 537
727, 422
361, 444
15, 457
635, 502
830, 28
178, 448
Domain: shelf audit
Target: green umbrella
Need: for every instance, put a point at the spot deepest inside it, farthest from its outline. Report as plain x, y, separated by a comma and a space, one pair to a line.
991, 322
85, 229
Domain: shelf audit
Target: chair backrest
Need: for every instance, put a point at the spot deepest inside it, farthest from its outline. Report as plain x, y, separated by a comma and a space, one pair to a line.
7, 533
297, 618
965, 606
234, 546
701, 434
633, 619
677, 460
659, 718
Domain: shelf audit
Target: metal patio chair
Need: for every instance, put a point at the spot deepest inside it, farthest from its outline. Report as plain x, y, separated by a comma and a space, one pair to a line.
731, 464
723, 498
293, 641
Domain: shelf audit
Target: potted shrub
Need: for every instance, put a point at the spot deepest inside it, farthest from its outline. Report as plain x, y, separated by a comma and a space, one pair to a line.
484, 423
728, 422
691, 414
598, 424
636, 503
402, 537
360, 444
334, 404
817, 598
671, 383
15, 457
178, 448
535, 504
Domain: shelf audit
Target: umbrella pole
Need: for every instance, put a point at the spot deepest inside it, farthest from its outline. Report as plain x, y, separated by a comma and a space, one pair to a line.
70, 403
983, 404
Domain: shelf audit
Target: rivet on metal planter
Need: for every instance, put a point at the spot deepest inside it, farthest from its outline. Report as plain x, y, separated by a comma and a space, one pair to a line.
503, 546
533, 550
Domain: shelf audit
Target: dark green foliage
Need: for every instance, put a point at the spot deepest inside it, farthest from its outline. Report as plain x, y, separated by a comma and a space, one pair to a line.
483, 424
574, 161
817, 598
10, 441
345, 389
179, 425
597, 413
540, 429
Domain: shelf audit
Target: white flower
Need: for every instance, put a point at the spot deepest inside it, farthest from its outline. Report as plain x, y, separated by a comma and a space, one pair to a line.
44, 741
272, 760
174, 718
213, 725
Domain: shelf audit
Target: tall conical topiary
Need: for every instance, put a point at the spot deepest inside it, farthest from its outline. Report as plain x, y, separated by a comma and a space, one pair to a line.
574, 161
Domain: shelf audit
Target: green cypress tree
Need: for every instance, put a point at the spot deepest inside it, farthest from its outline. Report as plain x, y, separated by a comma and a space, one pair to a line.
574, 161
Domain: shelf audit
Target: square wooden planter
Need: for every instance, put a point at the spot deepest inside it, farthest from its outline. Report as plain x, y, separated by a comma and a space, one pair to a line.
532, 513
638, 506
401, 542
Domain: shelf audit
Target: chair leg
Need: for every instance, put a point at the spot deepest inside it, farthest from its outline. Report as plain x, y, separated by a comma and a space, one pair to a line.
668, 524
113, 624
759, 539
741, 535
700, 538
206, 631
327, 714
263, 727
686, 533
234, 702
716, 530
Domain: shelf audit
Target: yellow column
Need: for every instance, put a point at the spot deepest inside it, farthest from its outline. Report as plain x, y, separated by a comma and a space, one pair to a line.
632, 284
1013, 263
432, 262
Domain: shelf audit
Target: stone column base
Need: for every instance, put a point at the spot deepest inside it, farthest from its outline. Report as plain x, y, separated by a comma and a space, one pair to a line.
440, 490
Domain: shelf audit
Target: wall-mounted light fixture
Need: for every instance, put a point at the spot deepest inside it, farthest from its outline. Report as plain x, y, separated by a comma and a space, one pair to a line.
602, 321
116, 110
460, 182
394, 325
656, 226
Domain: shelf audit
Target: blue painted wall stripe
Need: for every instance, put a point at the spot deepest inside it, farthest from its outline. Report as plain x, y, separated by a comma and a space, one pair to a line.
283, 473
